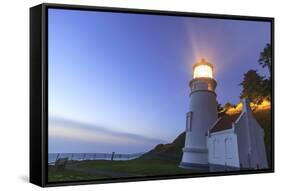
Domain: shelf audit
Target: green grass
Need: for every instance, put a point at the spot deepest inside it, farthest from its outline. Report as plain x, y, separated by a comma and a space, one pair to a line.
132, 168
167, 152
60, 175
139, 167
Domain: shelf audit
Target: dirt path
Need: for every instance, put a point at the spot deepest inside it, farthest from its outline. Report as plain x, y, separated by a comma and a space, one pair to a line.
108, 173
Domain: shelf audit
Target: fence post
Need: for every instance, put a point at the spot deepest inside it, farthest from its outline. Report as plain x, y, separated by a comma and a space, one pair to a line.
112, 156
57, 157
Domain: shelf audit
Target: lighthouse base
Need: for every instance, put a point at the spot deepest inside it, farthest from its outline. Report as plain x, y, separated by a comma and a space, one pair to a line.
195, 158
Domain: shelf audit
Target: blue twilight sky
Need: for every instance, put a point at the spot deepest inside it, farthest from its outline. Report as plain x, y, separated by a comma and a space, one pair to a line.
119, 82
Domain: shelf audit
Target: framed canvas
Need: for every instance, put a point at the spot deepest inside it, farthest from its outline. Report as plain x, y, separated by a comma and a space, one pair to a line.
127, 95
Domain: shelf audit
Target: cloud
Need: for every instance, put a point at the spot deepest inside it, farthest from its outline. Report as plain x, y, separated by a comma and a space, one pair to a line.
79, 132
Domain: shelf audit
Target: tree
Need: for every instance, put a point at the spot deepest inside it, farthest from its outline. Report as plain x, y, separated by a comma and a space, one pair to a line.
228, 105
253, 87
223, 109
265, 59
267, 88
220, 110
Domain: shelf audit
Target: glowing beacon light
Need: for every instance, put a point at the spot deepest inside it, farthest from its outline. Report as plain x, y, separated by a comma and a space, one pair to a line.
203, 69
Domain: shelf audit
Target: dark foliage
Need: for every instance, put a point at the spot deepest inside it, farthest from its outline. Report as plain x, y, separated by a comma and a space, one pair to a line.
265, 59
255, 87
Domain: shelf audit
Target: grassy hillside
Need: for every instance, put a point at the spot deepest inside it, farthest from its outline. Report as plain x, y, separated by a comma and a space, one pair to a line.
59, 175
164, 159
104, 169
169, 152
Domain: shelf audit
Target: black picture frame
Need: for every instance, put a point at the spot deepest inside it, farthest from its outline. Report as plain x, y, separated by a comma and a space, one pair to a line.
39, 91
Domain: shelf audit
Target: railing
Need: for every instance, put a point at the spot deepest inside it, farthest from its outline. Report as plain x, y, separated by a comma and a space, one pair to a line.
53, 157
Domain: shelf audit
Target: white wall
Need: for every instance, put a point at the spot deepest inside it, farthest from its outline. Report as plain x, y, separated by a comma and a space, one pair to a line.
203, 105
223, 148
243, 141
251, 140
261, 157
14, 83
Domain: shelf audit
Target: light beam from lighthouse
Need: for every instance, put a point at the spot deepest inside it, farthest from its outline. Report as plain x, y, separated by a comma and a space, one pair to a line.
202, 114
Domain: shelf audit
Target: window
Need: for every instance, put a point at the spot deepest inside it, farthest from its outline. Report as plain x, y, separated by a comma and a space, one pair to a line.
215, 148
228, 148
188, 121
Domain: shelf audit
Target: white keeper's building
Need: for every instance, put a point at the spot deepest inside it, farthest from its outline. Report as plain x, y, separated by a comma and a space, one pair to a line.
225, 143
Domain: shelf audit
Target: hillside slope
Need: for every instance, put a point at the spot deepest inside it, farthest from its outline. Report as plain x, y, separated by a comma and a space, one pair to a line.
171, 151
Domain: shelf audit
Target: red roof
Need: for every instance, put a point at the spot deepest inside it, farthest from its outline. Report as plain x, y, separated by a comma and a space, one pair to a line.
224, 123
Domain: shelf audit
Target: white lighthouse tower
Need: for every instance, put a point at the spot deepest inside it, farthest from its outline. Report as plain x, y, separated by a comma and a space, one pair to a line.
202, 114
